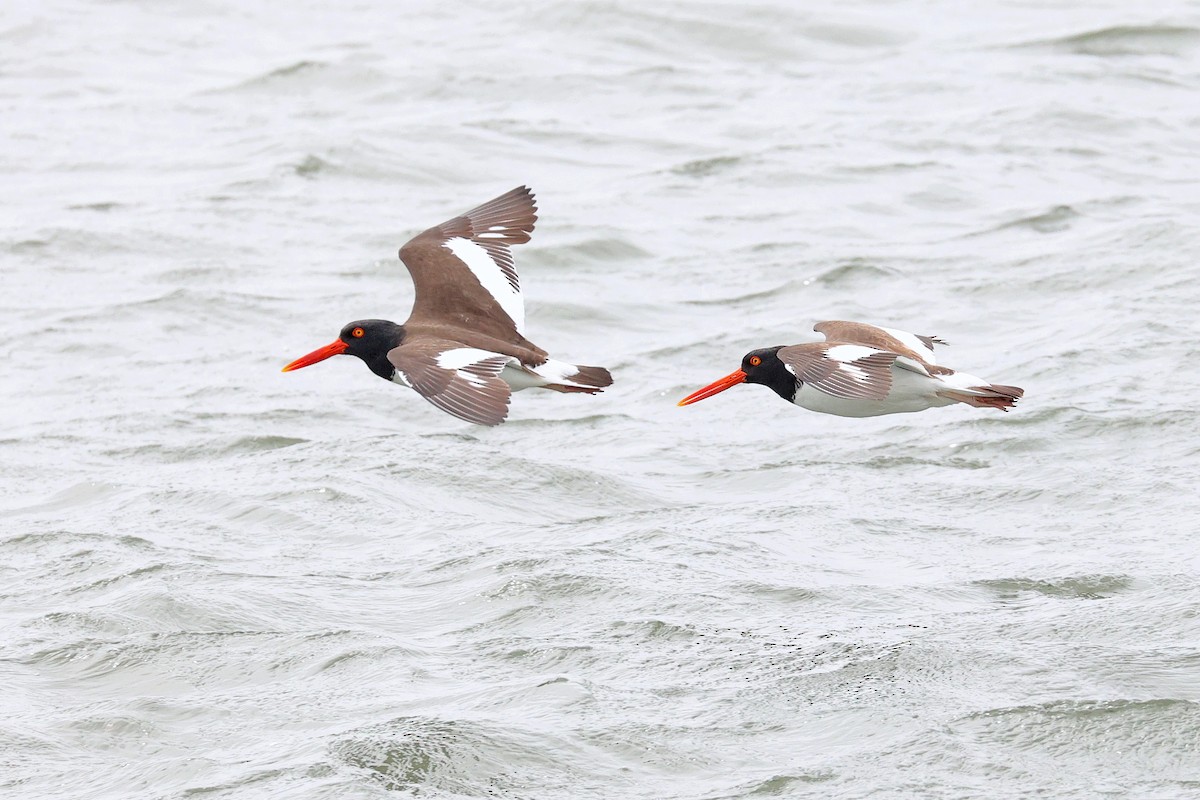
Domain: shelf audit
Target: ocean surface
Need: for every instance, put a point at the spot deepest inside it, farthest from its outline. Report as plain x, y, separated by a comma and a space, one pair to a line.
221, 581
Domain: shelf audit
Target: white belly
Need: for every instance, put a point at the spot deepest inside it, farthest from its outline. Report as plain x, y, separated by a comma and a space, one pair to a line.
910, 392
518, 378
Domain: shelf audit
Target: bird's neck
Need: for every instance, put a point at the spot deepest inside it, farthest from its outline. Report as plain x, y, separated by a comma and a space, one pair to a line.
778, 377
378, 360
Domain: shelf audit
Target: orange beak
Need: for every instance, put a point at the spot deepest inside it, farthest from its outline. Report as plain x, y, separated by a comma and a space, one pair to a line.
716, 387
320, 354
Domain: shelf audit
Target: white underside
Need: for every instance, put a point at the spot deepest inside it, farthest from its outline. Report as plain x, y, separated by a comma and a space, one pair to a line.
911, 391
519, 377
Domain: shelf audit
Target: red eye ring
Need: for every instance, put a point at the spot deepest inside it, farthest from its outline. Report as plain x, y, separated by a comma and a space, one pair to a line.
358, 333
755, 361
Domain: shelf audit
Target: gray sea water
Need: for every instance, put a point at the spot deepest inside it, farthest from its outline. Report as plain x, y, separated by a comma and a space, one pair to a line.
221, 581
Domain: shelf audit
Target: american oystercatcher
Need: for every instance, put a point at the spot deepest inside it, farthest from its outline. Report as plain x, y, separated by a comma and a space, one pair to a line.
463, 347
862, 371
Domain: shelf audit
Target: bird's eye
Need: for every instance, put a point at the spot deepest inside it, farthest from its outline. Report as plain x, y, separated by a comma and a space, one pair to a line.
357, 333
755, 361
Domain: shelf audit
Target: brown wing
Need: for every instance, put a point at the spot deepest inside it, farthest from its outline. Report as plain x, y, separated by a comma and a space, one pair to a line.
837, 330
463, 381
463, 269
907, 345
842, 370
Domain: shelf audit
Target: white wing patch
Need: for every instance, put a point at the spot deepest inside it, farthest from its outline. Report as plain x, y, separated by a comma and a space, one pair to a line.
913, 366
910, 341
488, 273
461, 357
849, 352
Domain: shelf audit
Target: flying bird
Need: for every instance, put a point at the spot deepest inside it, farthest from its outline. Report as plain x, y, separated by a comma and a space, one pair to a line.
862, 370
463, 347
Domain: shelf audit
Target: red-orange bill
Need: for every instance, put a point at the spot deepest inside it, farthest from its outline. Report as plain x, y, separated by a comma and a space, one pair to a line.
732, 379
320, 354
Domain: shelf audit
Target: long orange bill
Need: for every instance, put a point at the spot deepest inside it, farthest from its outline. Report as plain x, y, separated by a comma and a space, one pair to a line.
732, 379
320, 354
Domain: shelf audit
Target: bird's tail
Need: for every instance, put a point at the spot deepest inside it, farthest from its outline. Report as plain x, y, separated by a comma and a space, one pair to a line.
573, 378
993, 395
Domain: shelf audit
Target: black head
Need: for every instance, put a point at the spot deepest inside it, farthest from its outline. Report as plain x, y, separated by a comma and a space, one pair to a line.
366, 338
758, 366
369, 339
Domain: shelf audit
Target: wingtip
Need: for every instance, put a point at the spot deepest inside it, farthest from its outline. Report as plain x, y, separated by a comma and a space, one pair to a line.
532, 200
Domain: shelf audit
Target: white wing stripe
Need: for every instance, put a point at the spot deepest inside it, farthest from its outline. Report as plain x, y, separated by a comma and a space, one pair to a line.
849, 352
912, 343
459, 357
912, 366
490, 277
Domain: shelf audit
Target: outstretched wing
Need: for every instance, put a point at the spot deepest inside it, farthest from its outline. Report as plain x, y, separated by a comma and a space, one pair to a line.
463, 269
842, 370
463, 381
897, 341
915, 351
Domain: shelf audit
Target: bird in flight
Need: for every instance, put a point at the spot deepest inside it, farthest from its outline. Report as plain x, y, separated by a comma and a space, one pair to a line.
463, 347
862, 370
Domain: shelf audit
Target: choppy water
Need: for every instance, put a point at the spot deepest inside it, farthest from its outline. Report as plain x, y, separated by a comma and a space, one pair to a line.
222, 581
